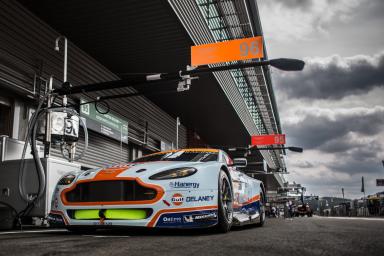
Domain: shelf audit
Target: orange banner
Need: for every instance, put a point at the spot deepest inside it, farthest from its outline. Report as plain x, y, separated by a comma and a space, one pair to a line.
233, 50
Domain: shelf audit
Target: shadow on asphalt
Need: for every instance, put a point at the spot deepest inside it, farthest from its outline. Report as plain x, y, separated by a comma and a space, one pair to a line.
157, 232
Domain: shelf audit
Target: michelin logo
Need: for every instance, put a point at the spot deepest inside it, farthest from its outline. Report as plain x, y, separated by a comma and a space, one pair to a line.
178, 184
200, 217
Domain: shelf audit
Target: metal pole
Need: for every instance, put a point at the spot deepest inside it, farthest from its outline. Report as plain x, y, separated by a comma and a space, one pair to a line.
57, 48
121, 144
65, 58
284, 64
146, 79
47, 144
177, 132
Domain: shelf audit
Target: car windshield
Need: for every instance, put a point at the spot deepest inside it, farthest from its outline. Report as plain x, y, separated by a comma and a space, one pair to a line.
190, 156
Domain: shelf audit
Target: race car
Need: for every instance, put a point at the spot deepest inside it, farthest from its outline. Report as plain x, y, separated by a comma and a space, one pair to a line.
187, 188
303, 210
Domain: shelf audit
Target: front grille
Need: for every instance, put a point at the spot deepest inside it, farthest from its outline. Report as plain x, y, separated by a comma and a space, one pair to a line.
110, 191
110, 214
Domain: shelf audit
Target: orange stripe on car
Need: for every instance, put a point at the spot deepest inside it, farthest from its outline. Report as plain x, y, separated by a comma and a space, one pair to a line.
110, 173
203, 150
251, 200
157, 215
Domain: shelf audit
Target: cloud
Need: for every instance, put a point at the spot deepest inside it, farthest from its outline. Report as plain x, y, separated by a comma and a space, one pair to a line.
334, 108
304, 164
335, 130
293, 4
334, 77
330, 172
340, 146
303, 19
352, 166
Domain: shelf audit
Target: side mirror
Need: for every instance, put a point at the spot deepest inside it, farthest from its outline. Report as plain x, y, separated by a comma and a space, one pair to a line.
240, 162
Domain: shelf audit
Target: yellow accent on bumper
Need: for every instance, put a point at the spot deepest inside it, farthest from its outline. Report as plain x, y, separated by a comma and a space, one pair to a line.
111, 214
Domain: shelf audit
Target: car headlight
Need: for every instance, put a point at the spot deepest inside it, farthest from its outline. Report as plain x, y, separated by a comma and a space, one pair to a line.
174, 173
67, 179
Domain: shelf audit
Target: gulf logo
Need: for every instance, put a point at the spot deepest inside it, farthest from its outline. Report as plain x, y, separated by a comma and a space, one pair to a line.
177, 199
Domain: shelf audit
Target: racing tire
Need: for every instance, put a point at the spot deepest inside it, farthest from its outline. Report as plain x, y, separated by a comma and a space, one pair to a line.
225, 203
262, 212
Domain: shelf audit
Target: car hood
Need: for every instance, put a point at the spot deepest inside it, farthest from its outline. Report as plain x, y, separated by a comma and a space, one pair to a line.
139, 170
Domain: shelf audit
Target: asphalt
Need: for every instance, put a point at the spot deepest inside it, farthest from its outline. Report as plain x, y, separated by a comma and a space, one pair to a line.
300, 236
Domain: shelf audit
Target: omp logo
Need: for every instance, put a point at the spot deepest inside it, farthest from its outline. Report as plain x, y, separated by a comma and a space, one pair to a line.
177, 199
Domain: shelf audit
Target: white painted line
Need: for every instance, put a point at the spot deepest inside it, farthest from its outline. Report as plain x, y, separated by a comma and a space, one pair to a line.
33, 231
351, 218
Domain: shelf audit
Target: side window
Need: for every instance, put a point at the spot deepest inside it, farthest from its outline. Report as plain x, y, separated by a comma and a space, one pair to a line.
227, 159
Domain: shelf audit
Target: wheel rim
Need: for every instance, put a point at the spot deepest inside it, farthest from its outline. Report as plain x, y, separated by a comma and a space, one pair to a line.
226, 199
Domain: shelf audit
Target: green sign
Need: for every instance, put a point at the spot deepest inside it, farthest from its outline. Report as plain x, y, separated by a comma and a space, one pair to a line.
108, 124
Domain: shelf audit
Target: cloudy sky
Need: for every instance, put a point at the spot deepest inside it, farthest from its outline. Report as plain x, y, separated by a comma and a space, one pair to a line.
335, 107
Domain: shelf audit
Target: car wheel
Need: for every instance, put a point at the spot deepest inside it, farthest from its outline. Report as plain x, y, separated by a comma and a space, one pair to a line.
262, 211
225, 200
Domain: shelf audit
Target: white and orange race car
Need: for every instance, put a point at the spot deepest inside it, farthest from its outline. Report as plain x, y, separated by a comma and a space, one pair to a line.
188, 188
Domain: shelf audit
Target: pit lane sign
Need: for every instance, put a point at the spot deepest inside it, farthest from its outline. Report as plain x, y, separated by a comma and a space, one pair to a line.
108, 124
264, 140
379, 182
231, 50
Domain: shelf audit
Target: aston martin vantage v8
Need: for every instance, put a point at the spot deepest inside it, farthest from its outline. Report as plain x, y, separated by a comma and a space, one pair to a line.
187, 188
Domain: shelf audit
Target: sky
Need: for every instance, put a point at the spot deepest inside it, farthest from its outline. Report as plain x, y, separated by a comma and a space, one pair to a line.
334, 108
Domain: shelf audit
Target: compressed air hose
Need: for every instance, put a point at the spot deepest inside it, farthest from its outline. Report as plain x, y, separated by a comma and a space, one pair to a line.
39, 166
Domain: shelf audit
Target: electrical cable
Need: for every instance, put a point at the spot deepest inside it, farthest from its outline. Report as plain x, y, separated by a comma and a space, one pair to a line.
24, 196
31, 125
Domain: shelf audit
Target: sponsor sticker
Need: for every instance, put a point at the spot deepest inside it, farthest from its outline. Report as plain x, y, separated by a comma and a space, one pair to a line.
55, 219
188, 219
178, 184
169, 219
191, 199
200, 217
177, 199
